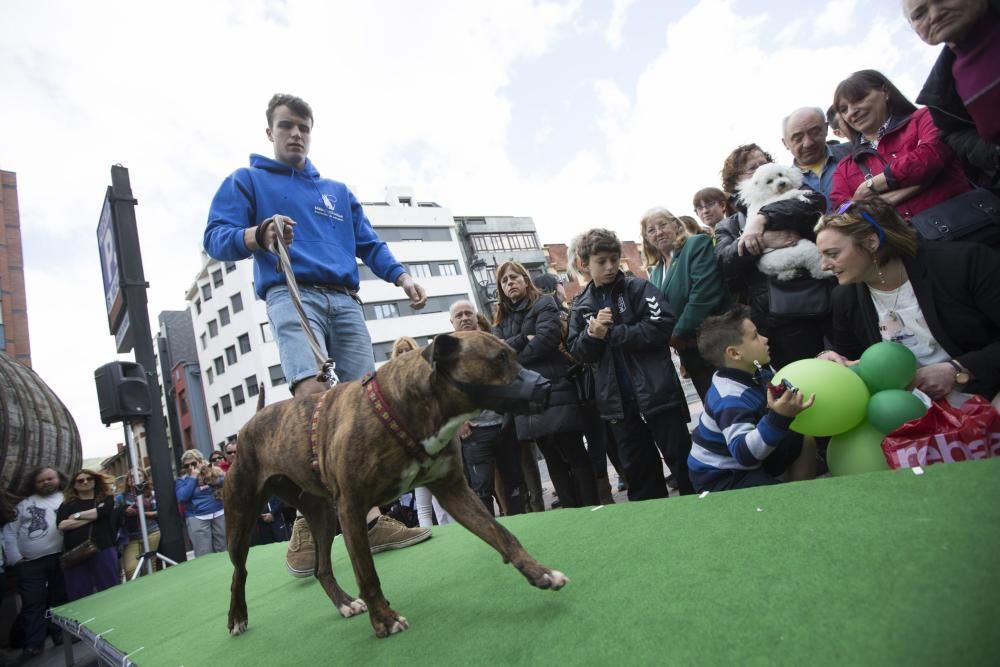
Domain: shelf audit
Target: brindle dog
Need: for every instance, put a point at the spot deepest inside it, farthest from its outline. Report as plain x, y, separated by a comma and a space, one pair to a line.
361, 465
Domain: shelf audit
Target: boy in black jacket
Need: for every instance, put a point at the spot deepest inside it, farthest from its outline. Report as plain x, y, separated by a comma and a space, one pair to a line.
622, 324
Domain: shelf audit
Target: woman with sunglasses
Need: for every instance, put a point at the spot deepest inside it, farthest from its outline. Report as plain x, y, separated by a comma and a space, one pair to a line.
86, 513
218, 459
200, 489
941, 300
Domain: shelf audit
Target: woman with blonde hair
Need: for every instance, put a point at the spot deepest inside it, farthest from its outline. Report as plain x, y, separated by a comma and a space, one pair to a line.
86, 514
529, 322
403, 344
200, 489
682, 266
941, 300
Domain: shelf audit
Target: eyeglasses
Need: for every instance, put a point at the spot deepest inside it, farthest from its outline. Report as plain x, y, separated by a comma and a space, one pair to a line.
231, 452
191, 464
215, 458
83, 480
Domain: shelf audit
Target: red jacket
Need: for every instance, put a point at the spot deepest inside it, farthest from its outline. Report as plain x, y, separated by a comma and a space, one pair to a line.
910, 153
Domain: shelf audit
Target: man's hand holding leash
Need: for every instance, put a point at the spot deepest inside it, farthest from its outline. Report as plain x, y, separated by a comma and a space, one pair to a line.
264, 235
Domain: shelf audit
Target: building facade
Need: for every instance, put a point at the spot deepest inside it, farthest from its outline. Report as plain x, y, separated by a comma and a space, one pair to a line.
489, 241
236, 351
13, 302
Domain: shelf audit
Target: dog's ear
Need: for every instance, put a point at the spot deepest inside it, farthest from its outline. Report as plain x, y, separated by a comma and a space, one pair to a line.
443, 352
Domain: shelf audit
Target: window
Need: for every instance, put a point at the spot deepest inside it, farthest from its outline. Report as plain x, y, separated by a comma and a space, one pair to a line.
213, 329
224, 316
231, 355
384, 311
244, 343
508, 241
236, 301
217, 278
227, 405
251, 383
206, 292
220, 366
211, 376
215, 411
420, 270
204, 341
238, 398
449, 269
197, 306
182, 401
277, 377
265, 332
230, 267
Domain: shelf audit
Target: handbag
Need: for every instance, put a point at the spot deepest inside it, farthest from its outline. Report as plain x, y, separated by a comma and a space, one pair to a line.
82, 552
971, 216
799, 297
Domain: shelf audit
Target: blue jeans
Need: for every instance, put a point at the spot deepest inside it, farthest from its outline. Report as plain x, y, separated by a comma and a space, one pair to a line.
40, 585
338, 323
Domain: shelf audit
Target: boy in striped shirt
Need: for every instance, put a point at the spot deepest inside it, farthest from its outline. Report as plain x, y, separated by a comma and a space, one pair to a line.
742, 439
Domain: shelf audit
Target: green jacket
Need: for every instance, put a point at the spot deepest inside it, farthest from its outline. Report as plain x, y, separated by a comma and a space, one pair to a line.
692, 285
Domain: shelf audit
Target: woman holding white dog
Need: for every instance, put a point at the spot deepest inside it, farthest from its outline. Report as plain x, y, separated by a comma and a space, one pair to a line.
898, 153
795, 329
941, 300
682, 266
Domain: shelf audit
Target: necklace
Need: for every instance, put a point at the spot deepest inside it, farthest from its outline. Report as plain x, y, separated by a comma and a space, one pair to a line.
879, 294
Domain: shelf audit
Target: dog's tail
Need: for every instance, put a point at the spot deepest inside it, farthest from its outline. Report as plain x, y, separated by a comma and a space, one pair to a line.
260, 398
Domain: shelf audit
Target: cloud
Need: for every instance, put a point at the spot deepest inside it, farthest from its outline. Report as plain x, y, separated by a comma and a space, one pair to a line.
403, 93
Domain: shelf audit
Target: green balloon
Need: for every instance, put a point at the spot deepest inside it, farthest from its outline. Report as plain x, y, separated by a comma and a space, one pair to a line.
857, 451
891, 408
887, 366
841, 396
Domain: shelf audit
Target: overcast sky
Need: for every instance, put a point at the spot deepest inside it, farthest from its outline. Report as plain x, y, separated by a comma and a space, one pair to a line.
578, 114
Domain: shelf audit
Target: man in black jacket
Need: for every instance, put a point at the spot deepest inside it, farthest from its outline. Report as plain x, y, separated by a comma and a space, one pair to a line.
622, 324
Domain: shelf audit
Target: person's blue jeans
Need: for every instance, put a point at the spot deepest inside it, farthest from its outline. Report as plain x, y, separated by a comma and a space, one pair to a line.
40, 585
338, 323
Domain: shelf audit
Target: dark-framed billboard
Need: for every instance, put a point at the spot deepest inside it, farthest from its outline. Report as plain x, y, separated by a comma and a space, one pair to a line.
107, 246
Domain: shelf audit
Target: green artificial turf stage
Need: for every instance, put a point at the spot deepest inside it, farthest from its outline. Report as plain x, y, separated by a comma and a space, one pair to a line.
881, 569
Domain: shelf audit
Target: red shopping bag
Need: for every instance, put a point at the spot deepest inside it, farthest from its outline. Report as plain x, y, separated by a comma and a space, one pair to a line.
946, 434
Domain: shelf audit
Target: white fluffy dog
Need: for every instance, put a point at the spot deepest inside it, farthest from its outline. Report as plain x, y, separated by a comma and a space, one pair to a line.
770, 183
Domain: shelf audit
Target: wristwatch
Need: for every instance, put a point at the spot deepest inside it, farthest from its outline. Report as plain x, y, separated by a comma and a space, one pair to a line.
870, 182
962, 376
77, 516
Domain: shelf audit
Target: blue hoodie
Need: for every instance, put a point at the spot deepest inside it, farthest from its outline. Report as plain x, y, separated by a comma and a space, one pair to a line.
331, 231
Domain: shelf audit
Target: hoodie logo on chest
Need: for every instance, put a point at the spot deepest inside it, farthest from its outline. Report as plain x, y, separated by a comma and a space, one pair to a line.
621, 304
330, 208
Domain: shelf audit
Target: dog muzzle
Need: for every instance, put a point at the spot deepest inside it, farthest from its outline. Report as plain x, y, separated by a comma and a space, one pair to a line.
527, 394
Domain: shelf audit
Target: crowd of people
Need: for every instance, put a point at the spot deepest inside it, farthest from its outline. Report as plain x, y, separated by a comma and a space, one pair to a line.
868, 235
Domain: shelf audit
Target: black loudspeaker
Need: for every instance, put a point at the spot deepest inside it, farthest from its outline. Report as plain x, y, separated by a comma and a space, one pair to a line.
122, 392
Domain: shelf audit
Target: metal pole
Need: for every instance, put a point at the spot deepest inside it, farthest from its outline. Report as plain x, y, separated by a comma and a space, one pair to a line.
134, 284
133, 453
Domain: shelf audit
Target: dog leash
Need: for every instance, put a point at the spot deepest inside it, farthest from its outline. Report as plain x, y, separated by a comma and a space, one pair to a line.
326, 373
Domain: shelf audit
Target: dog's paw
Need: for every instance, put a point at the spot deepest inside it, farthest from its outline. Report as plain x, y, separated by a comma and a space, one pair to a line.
392, 626
354, 608
554, 580
238, 628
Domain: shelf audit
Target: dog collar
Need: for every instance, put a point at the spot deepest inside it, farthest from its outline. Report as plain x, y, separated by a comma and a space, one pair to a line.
389, 419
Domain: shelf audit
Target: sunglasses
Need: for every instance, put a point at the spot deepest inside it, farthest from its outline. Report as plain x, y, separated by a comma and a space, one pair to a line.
215, 458
191, 464
846, 206
83, 480
231, 452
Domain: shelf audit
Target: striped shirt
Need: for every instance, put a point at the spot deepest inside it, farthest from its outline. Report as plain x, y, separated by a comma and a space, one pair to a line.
736, 431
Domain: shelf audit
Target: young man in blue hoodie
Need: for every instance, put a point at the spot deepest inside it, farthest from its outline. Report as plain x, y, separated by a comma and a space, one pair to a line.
330, 230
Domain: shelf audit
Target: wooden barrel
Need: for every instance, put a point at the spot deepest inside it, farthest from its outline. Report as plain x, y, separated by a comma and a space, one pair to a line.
36, 429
